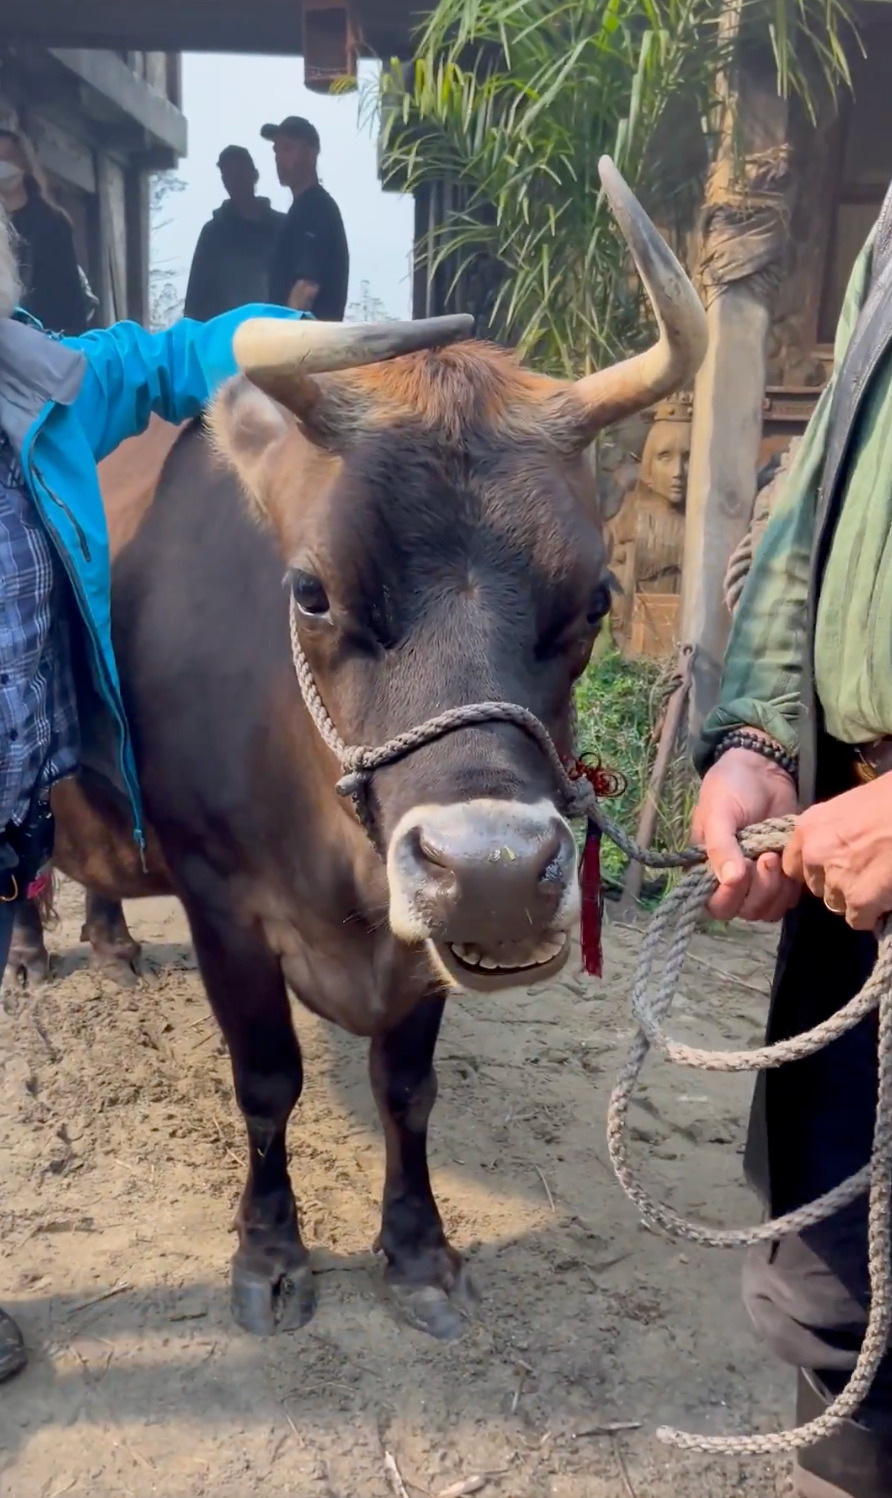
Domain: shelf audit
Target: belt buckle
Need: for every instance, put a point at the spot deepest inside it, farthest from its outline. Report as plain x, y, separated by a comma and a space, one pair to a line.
864, 770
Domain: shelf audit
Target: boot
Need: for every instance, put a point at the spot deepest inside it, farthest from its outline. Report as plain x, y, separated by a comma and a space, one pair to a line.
12, 1348
854, 1463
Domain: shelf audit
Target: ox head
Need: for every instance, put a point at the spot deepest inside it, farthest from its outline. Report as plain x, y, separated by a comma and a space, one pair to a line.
439, 520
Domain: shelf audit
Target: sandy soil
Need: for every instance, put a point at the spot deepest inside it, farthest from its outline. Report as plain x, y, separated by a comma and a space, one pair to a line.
121, 1160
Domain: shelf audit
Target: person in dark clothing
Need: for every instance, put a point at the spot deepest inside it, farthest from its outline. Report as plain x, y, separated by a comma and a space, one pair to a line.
50, 275
311, 262
230, 267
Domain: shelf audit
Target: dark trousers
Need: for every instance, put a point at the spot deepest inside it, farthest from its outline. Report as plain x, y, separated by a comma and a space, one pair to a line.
808, 1295
7, 921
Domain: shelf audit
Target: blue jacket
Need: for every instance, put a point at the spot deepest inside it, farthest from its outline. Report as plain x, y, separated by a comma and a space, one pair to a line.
77, 400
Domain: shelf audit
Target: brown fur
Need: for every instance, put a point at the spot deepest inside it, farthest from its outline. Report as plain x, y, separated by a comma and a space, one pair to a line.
459, 391
128, 478
460, 388
94, 842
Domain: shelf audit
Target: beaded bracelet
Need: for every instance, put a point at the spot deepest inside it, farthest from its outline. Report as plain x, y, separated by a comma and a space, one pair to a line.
742, 738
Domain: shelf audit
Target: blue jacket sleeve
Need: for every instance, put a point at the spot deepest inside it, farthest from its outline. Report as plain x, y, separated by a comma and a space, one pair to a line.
131, 373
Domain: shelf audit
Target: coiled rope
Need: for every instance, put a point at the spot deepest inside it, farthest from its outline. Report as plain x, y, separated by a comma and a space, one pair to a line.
666, 943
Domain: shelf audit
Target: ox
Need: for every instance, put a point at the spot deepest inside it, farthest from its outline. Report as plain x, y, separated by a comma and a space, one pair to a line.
436, 521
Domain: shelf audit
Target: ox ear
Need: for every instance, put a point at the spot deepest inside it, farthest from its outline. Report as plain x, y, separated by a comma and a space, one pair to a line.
245, 428
332, 410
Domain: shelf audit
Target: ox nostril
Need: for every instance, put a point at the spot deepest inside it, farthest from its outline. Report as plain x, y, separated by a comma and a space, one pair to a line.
428, 852
434, 863
552, 859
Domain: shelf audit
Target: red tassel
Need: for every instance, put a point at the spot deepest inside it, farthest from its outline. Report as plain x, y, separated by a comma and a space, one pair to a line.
39, 886
592, 892
603, 783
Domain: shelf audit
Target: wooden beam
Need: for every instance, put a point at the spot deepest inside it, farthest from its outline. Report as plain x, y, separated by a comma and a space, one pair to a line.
266, 26
273, 27
112, 289
744, 239
137, 223
113, 81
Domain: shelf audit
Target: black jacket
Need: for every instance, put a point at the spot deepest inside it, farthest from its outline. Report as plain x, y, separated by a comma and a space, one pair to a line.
52, 289
313, 247
230, 266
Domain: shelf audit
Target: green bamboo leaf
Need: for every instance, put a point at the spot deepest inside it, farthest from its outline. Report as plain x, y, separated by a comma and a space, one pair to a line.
514, 102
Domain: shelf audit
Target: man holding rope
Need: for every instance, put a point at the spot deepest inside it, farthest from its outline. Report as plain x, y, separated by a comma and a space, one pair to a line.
805, 721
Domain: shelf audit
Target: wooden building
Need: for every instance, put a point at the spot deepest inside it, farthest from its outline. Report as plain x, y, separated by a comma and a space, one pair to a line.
96, 85
101, 121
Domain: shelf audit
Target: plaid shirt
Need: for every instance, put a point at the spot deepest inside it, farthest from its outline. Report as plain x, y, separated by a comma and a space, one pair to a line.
38, 712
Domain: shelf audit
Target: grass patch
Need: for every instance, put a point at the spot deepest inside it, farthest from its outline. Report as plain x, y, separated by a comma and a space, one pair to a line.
619, 704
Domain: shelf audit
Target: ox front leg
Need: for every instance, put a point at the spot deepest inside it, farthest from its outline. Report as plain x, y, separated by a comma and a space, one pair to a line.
272, 1283
29, 960
425, 1274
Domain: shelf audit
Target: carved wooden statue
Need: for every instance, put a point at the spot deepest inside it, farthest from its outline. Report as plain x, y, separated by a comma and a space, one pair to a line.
648, 533
769, 486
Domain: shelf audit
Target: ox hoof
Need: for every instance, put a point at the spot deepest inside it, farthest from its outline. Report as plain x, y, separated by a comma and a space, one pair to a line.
441, 1312
30, 969
267, 1299
122, 969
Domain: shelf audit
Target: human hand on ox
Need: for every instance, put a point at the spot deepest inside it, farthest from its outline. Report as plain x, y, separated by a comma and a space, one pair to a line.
743, 788
842, 850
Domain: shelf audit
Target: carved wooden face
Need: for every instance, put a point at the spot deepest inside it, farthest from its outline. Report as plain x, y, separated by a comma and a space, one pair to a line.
664, 462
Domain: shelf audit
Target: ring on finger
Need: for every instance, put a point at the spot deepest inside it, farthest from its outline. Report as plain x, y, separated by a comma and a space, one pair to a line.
835, 902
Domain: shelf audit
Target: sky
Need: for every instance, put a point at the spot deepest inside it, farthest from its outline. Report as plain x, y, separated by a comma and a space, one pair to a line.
226, 99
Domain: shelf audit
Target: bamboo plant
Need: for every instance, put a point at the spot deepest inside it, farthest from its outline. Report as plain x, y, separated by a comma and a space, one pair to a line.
513, 102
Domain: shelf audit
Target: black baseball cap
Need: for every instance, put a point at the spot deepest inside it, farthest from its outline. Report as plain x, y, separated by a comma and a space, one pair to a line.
296, 127
235, 153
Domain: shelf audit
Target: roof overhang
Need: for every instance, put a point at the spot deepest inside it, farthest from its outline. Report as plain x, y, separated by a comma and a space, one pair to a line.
264, 26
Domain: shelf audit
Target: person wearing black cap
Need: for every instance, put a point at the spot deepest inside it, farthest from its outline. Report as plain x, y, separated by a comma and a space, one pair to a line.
310, 265
230, 267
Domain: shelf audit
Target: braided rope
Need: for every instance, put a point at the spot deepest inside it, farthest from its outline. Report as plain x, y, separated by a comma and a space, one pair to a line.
672, 928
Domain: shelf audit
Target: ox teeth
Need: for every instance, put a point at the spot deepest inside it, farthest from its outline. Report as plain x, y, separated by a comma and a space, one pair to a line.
469, 954
527, 957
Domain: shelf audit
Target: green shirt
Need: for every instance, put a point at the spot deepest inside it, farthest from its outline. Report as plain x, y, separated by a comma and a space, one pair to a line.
767, 652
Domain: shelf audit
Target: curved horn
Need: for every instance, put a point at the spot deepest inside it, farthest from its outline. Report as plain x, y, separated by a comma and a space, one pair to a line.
612, 394
282, 347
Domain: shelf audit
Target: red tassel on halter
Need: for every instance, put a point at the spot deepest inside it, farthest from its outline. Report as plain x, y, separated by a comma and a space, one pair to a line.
603, 783
592, 895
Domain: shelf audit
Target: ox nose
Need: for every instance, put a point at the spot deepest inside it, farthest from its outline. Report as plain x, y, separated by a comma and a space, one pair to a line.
495, 880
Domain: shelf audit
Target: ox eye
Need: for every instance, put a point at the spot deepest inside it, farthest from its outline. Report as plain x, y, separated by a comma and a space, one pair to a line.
310, 596
600, 605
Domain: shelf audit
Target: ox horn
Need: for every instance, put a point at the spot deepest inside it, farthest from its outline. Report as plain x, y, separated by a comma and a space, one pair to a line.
272, 348
613, 394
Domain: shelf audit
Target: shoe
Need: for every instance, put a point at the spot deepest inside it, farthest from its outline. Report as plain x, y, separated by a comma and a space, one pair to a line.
854, 1463
12, 1348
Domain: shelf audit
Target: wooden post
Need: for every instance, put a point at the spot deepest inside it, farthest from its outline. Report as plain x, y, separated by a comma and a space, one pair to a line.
743, 240
138, 232
667, 746
112, 288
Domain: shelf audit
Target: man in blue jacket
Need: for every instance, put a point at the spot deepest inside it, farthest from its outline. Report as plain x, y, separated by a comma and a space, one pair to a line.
65, 405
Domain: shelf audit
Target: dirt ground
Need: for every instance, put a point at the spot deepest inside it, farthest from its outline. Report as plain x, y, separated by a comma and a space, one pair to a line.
121, 1160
